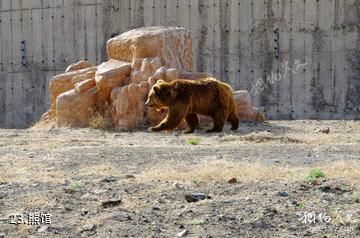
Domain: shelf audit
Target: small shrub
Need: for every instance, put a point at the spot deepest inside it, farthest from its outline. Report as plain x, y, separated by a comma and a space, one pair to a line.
194, 141
101, 118
196, 181
314, 175
75, 185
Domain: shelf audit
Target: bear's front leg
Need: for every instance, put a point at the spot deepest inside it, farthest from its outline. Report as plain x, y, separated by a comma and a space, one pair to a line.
175, 116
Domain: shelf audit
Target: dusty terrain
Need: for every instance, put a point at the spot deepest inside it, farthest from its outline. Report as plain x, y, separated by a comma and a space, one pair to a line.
133, 184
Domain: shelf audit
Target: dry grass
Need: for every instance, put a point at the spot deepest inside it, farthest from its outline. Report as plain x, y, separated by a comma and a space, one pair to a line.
99, 170
101, 118
222, 170
21, 170
259, 138
38, 200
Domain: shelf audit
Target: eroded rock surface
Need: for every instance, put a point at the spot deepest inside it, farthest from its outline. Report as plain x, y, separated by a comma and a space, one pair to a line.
173, 46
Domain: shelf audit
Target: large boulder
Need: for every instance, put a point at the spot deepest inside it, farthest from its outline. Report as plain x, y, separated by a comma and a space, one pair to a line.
245, 109
111, 74
64, 82
129, 105
172, 45
74, 108
82, 64
142, 69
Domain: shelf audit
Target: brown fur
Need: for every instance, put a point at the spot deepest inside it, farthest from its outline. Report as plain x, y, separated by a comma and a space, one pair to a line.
187, 98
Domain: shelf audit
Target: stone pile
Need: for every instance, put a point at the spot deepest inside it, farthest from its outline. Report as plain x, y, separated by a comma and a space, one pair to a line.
137, 59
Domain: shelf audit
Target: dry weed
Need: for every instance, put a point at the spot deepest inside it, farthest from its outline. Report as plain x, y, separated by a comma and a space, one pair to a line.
249, 172
101, 117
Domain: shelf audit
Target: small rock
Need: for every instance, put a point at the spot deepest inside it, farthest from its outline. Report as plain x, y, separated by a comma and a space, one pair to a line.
99, 191
304, 187
323, 130
2, 234
177, 185
325, 189
195, 197
182, 233
88, 227
315, 182
69, 190
108, 179
111, 203
282, 194
156, 208
232, 180
84, 212
2, 195
129, 176
88, 197
42, 229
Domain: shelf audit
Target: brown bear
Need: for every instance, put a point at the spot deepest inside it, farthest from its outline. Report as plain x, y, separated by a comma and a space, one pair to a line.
187, 98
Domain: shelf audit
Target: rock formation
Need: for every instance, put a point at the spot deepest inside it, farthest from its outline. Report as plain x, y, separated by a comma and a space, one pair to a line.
137, 59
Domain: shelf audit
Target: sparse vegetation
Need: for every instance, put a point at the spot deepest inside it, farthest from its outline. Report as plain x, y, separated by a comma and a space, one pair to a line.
75, 185
196, 181
101, 118
69, 173
194, 141
314, 175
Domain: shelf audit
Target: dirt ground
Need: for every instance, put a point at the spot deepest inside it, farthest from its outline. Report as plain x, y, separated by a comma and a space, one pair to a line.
293, 179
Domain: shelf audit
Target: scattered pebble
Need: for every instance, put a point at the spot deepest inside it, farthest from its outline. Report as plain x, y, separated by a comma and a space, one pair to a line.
182, 233
69, 190
156, 208
177, 185
232, 180
111, 203
195, 197
89, 197
42, 229
325, 188
282, 194
88, 227
325, 130
108, 179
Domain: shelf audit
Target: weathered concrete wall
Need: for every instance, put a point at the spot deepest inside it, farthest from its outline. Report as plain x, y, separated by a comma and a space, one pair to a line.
319, 42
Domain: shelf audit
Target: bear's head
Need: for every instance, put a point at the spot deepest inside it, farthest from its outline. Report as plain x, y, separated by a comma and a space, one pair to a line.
161, 95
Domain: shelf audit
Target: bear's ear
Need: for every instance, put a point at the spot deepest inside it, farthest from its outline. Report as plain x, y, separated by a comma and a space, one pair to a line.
173, 93
160, 81
156, 89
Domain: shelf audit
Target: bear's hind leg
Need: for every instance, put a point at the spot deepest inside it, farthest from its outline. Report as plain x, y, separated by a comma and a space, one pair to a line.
192, 121
234, 121
219, 118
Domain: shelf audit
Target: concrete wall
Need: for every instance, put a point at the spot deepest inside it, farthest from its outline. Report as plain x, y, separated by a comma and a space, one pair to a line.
316, 75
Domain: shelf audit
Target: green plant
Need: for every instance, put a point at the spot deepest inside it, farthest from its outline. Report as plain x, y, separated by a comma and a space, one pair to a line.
196, 181
75, 185
194, 141
314, 175
300, 205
